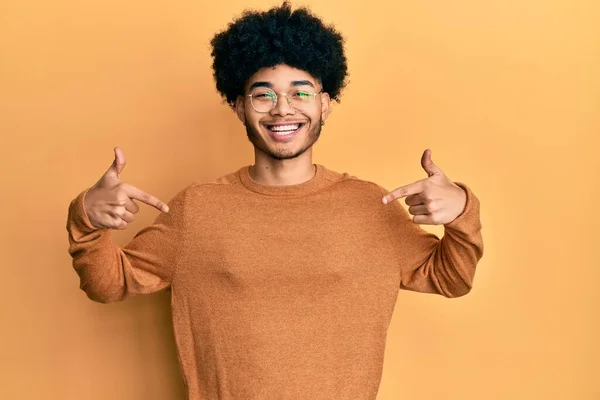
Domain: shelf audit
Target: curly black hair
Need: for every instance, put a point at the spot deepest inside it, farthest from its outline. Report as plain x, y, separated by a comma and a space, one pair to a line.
278, 36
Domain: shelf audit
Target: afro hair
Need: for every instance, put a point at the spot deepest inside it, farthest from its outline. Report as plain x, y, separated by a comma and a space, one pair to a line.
278, 36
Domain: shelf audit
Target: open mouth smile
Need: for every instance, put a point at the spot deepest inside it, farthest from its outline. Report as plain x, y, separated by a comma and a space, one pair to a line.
286, 131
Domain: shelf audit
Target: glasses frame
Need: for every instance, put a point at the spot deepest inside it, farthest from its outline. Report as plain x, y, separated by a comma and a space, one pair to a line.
277, 99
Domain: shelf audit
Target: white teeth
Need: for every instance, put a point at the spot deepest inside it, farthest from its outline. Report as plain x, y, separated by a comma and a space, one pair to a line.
282, 128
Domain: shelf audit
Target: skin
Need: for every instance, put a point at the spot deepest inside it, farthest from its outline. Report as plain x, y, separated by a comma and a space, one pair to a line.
110, 203
290, 162
435, 200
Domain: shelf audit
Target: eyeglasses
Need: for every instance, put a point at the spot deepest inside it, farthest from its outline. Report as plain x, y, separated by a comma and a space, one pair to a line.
263, 99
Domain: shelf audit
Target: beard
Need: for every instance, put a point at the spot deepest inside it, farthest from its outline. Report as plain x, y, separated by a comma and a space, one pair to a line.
259, 143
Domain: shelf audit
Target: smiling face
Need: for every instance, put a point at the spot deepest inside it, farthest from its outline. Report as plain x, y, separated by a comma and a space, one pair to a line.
284, 132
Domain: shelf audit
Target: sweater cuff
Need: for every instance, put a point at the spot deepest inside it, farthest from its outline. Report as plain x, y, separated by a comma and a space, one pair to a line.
469, 219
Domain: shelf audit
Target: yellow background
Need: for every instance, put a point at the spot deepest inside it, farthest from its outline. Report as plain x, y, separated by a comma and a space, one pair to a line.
505, 93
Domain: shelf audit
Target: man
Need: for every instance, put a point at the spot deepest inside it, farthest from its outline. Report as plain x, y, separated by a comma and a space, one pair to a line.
284, 274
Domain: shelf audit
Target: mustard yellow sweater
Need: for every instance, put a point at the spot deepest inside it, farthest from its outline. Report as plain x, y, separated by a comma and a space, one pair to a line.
279, 292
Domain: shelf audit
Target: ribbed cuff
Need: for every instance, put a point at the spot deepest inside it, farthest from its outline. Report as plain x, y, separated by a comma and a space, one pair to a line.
468, 220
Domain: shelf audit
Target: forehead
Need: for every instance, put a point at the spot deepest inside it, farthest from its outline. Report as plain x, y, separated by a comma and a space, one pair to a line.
280, 76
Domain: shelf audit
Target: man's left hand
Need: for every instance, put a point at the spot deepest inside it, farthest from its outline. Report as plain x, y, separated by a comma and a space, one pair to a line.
435, 200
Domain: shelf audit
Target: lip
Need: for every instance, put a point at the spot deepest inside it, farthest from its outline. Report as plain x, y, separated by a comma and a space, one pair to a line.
282, 123
286, 138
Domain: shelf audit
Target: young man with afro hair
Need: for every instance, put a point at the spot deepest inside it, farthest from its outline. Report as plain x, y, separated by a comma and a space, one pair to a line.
284, 274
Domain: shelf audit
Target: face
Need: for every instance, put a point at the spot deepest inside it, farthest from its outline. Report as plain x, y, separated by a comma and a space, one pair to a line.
284, 132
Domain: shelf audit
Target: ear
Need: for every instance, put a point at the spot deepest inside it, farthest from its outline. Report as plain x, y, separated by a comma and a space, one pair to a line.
325, 106
239, 109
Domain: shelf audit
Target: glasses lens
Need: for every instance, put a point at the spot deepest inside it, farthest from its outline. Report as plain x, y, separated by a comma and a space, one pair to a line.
301, 98
263, 99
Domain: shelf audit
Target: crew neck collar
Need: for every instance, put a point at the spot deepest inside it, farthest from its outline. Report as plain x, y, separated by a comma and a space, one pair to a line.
318, 181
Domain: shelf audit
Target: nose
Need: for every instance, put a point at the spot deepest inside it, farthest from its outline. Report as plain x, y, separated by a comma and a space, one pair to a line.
282, 107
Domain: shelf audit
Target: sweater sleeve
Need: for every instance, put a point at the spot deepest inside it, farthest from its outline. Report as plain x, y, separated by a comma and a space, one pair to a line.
146, 264
429, 264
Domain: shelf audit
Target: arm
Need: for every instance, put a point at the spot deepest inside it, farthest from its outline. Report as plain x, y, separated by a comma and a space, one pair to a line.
109, 273
443, 266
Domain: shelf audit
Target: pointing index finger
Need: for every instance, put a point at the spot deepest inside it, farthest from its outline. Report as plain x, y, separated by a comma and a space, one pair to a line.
137, 194
403, 191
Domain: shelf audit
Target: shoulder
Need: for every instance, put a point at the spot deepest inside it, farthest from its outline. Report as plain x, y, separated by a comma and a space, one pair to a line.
353, 181
218, 185
355, 184
208, 195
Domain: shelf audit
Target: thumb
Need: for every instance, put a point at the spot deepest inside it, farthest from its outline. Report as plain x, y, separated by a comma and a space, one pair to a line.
118, 164
428, 165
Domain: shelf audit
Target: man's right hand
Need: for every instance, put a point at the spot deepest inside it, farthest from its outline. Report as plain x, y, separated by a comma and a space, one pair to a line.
110, 203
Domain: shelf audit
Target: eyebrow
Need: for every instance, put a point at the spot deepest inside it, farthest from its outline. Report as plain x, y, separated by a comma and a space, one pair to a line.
270, 86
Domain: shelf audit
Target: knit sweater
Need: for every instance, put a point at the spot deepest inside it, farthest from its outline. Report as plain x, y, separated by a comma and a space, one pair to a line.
279, 292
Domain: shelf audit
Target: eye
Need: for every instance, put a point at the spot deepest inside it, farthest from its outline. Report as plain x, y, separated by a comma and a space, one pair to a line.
264, 95
302, 94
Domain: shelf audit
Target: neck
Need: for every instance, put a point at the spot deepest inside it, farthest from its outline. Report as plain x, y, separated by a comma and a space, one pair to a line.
283, 172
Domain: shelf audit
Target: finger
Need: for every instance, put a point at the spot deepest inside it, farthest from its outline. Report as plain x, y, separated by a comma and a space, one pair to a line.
137, 194
119, 224
423, 220
115, 222
131, 206
415, 199
407, 190
418, 210
118, 164
127, 216
428, 164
